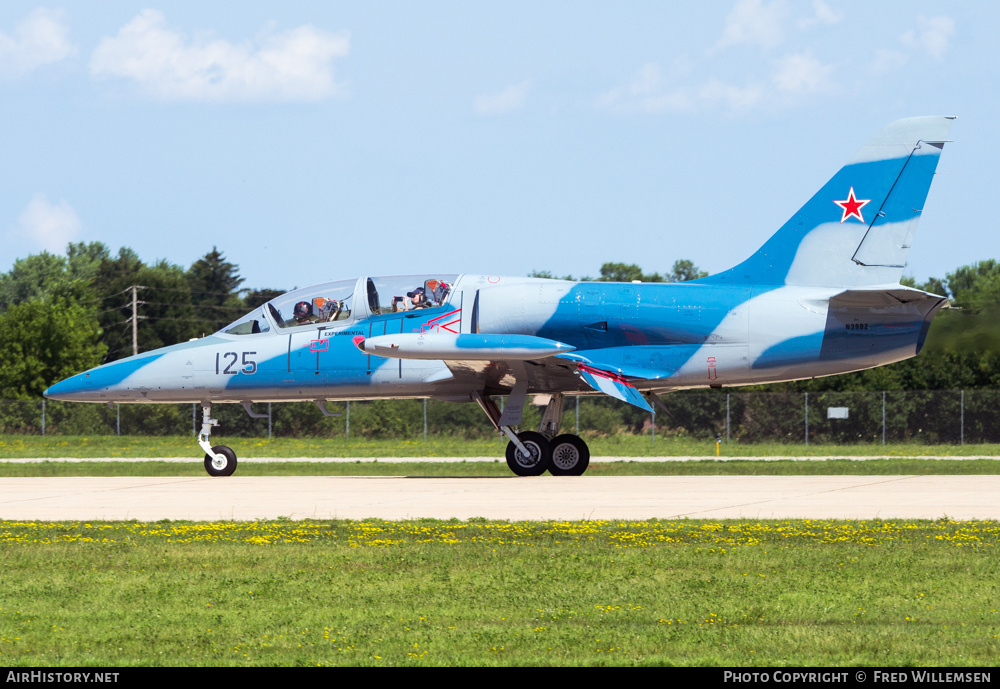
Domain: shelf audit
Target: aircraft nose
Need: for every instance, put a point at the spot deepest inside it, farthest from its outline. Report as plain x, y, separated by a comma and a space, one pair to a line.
72, 389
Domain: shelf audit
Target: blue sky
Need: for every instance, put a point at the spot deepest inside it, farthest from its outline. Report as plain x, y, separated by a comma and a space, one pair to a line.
317, 140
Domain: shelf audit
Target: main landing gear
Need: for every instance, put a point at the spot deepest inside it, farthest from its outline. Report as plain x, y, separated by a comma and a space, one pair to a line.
219, 460
564, 455
535, 461
570, 455
532, 454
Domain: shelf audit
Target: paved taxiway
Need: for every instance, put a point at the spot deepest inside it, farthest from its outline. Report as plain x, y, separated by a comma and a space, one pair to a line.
406, 460
545, 497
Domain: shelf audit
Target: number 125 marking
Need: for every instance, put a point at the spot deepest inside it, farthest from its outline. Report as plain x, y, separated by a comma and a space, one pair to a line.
249, 365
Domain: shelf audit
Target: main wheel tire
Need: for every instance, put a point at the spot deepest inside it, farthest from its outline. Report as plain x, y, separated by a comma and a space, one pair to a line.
537, 462
570, 455
223, 463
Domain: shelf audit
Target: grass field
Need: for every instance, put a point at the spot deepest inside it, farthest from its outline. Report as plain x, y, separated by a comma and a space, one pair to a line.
307, 593
733, 593
21, 446
902, 459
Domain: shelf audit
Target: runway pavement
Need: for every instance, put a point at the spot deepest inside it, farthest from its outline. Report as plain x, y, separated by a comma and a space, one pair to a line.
545, 497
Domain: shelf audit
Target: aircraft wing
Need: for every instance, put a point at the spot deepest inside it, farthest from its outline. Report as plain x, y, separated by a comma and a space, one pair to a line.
496, 361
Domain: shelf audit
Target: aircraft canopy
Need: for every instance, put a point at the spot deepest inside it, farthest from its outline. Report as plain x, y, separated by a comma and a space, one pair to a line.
335, 302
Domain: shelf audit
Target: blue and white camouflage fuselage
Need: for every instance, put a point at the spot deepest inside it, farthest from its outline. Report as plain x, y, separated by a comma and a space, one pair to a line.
820, 297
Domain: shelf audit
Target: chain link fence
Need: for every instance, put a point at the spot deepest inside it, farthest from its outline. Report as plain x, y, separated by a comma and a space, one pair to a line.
926, 417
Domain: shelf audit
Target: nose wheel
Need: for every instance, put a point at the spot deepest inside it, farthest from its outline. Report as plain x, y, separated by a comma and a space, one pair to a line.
221, 461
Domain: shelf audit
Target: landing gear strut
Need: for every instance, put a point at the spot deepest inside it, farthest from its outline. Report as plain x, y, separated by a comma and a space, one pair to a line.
219, 460
530, 453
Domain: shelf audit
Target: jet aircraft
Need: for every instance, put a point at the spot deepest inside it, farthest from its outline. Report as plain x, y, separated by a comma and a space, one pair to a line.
820, 297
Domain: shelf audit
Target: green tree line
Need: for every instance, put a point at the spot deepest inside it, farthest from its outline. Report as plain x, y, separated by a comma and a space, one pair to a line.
62, 314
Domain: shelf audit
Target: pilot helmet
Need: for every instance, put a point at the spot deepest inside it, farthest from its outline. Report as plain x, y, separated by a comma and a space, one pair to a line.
302, 311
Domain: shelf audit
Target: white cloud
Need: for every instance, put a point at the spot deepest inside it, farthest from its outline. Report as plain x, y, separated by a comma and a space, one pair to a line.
801, 73
50, 226
822, 14
751, 22
295, 65
887, 61
754, 23
645, 93
932, 35
39, 39
736, 99
511, 98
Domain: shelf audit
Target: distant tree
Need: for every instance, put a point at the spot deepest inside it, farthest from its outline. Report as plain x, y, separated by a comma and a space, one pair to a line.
630, 272
976, 287
114, 272
45, 340
31, 278
933, 285
38, 275
166, 315
685, 270
84, 259
213, 274
626, 272
259, 297
548, 275
111, 282
214, 284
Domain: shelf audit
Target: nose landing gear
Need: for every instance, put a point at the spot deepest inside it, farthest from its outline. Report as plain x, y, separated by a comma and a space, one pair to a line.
219, 460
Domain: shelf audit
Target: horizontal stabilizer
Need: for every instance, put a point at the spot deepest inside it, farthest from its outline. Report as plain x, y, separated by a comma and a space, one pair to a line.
891, 295
448, 347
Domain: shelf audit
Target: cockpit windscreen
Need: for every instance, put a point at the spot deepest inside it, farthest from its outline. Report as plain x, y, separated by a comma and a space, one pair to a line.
394, 293
327, 303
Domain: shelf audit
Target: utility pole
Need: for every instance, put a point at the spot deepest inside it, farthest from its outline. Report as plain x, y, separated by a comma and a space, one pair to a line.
135, 324
135, 317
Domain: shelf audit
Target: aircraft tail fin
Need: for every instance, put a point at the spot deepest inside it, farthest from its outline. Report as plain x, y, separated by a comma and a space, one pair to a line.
856, 230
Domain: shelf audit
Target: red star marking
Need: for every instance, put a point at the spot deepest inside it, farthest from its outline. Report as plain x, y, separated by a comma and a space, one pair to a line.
852, 206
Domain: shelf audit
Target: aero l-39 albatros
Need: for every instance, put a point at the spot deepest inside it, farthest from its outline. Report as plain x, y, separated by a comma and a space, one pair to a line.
820, 297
